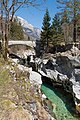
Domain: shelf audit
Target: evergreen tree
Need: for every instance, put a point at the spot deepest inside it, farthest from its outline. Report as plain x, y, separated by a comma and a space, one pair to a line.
16, 30
65, 26
56, 24
56, 31
45, 33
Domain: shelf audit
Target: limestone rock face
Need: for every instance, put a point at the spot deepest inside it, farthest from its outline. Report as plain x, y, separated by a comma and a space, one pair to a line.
36, 77
64, 69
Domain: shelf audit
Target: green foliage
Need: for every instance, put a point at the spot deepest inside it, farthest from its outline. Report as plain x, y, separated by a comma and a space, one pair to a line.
56, 24
57, 36
46, 20
16, 30
45, 33
57, 39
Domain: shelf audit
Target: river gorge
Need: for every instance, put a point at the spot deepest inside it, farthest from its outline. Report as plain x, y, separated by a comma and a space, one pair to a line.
62, 104
58, 75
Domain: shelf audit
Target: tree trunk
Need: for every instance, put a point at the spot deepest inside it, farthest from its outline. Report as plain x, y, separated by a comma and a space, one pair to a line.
6, 38
2, 31
74, 23
6, 32
74, 32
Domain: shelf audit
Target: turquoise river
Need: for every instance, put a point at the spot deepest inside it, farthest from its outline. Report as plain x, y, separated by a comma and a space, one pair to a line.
62, 103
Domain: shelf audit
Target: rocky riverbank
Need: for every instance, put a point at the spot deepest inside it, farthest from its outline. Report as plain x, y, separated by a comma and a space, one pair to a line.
63, 69
60, 70
20, 98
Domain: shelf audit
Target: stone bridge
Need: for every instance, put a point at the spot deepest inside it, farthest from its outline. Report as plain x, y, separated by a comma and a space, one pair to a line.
15, 46
28, 43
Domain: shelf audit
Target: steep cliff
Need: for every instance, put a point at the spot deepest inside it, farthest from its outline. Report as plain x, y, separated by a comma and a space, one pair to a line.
64, 70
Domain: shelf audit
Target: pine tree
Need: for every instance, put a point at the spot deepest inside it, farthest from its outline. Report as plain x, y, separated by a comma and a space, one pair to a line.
57, 36
65, 26
16, 30
56, 23
45, 33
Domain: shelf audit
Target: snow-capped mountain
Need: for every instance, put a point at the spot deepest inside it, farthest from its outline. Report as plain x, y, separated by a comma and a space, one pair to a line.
29, 29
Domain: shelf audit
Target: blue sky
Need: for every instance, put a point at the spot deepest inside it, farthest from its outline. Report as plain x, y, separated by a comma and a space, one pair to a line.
35, 15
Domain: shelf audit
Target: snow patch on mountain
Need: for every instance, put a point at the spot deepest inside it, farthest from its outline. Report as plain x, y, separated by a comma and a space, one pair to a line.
30, 29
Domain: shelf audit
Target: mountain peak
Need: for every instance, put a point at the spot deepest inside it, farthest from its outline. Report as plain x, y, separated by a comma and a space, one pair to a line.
30, 29
24, 23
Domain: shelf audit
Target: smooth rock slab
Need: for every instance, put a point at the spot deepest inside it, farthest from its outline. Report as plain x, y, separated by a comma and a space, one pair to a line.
36, 77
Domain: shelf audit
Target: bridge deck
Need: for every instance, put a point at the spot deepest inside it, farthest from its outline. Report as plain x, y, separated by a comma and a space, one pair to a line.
29, 43
17, 42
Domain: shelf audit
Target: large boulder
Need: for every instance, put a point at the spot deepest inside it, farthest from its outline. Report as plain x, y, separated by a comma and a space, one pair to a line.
35, 77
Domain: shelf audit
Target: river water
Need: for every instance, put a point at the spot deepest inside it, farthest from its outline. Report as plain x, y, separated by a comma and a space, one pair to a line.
62, 104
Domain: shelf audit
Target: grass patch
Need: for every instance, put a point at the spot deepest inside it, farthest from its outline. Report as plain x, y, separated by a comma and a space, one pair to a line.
4, 77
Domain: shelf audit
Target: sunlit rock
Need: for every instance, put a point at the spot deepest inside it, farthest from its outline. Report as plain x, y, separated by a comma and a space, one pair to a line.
35, 77
65, 70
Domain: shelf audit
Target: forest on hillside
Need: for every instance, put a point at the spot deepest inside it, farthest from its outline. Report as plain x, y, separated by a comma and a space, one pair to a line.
65, 26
